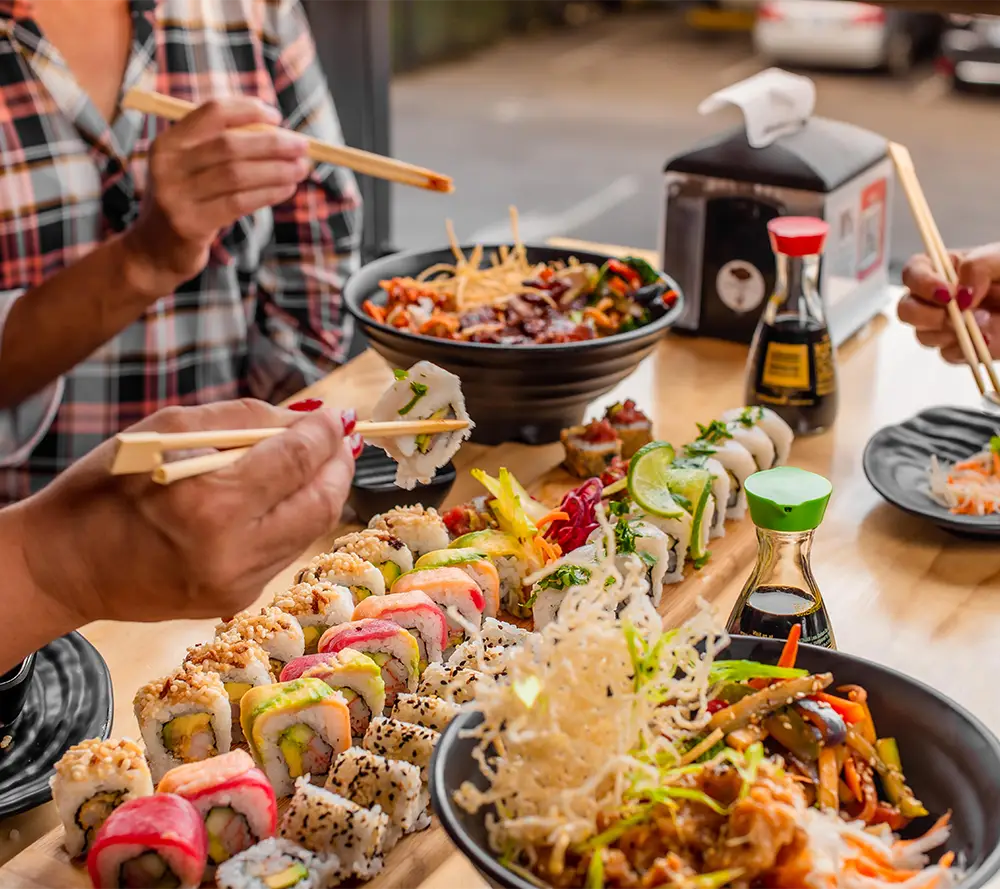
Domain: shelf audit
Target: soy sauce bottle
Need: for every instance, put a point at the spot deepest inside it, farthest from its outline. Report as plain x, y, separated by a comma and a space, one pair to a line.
787, 505
792, 367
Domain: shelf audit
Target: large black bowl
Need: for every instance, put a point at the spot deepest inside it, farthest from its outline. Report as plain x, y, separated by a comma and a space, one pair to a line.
513, 393
951, 760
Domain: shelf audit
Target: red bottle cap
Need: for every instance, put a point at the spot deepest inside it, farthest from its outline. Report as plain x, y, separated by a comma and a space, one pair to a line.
798, 235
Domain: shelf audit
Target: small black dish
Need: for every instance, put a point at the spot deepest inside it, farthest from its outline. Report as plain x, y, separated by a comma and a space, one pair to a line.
374, 489
952, 761
522, 393
14, 687
69, 700
897, 460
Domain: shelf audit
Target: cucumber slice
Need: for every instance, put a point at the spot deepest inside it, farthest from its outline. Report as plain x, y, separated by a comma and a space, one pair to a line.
692, 488
647, 484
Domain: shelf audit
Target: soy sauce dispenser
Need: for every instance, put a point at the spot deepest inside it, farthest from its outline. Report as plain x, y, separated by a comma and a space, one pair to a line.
787, 505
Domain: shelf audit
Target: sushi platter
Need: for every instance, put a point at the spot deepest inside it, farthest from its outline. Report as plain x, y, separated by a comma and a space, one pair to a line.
292, 749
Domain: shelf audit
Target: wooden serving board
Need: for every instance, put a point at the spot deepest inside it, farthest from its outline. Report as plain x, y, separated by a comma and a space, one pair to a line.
45, 865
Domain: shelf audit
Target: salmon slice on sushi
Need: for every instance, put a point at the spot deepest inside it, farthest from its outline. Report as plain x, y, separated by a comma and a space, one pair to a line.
354, 675
361, 577
295, 729
235, 800
150, 842
317, 607
279, 634
416, 612
450, 588
421, 529
394, 649
386, 552
473, 562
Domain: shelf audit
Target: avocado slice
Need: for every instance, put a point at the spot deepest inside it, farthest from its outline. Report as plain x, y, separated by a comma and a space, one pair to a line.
390, 571
293, 744
284, 879
311, 635
380, 657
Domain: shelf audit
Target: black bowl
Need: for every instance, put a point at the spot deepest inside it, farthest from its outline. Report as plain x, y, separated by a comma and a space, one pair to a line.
897, 458
513, 393
14, 687
951, 760
374, 490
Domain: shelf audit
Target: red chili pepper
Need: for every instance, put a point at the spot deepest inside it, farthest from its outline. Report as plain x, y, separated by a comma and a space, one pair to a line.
885, 814
629, 274
715, 705
791, 649
850, 711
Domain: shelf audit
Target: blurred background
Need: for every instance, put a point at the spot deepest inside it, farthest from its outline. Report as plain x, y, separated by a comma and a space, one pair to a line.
569, 110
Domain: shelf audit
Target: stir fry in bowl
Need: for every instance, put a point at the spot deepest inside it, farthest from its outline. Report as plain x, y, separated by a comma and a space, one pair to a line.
511, 301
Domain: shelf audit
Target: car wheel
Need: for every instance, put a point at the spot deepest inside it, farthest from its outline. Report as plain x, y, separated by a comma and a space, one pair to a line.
899, 53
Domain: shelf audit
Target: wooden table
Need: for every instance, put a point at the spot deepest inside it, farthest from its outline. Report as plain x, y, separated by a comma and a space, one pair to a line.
899, 591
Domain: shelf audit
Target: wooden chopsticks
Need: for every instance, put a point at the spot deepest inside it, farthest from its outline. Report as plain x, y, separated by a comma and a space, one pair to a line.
355, 159
141, 452
970, 337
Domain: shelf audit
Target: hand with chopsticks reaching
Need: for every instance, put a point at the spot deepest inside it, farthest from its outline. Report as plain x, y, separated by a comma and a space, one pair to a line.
978, 289
93, 546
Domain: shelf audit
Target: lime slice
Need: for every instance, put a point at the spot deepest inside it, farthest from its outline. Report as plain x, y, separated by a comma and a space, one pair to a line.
647, 480
692, 488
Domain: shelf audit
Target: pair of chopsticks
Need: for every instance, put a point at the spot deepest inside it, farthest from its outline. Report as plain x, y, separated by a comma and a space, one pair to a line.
970, 337
355, 159
142, 452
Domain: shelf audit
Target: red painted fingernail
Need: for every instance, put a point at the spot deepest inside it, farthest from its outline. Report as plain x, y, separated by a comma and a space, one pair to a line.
349, 418
306, 405
357, 445
964, 298
942, 296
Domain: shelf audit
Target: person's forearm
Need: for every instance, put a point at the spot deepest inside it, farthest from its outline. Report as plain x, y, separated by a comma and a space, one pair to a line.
54, 326
31, 619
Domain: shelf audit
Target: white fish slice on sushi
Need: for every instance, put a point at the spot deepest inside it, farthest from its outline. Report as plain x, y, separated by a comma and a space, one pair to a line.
769, 423
424, 392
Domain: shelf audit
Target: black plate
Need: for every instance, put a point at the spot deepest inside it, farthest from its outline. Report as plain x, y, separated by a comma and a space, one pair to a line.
374, 489
897, 459
70, 700
513, 393
951, 760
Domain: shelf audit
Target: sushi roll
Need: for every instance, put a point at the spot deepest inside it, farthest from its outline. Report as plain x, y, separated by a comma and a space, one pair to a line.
329, 824
394, 649
416, 612
512, 564
362, 578
770, 424
393, 786
156, 840
550, 585
452, 684
590, 449
432, 713
476, 564
185, 717
278, 633
233, 796
239, 663
450, 588
317, 607
719, 445
422, 530
91, 780
499, 632
631, 425
755, 440
389, 554
646, 531
721, 483
424, 392
294, 729
281, 863
473, 655
402, 740
354, 675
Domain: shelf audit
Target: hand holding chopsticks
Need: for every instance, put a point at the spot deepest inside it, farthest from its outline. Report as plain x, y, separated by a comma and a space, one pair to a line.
142, 452
970, 338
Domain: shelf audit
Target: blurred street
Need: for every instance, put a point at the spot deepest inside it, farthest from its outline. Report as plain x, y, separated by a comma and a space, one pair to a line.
574, 128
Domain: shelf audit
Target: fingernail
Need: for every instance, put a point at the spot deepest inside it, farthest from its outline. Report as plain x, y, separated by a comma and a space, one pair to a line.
964, 298
348, 418
302, 167
942, 296
306, 405
357, 445
273, 113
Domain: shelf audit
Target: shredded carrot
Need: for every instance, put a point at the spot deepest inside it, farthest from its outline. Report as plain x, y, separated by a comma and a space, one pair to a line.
946, 860
791, 649
376, 313
440, 320
554, 516
598, 316
852, 779
937, 825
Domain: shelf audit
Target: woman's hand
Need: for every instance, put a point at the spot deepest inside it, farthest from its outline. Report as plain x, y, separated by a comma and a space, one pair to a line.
978, 288
204, 174
125, 548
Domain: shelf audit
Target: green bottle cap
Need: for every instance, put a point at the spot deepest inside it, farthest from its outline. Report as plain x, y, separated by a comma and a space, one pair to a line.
787, 499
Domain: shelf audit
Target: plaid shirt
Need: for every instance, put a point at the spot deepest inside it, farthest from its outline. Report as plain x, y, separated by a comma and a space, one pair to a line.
264, 318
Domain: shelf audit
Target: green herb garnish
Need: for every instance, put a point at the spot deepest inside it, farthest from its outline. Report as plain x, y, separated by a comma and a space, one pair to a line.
624, 537
564, 576
995, 444
714, 432
419, 390
700, 449
750, 417
617, 508
400, 374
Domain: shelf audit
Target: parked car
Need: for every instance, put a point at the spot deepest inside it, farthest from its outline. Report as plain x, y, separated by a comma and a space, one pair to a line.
841, 34
970, 50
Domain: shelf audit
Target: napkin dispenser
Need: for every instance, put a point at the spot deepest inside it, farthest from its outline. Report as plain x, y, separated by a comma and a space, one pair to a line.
783, 161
